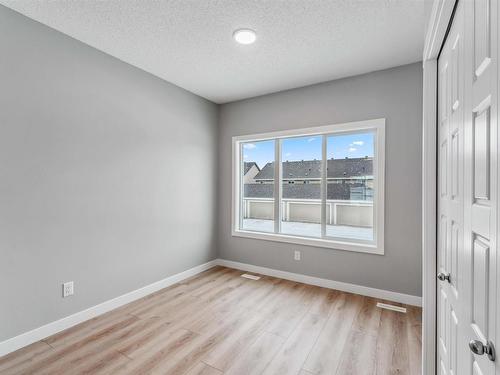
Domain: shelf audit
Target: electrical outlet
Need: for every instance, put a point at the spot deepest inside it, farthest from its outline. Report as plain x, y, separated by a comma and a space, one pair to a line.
68, 289
296, 255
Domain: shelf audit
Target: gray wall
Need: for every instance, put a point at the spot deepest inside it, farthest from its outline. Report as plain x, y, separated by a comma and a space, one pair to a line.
107, 176
395, 94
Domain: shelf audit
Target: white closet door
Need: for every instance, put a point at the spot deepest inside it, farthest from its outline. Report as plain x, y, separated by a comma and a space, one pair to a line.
451, 199
467, 191
481, 189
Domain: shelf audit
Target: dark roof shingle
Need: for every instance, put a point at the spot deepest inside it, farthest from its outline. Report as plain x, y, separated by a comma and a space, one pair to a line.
248, 165
337, 168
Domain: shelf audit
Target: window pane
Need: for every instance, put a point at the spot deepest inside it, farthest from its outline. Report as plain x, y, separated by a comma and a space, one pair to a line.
301, 186
349, 204
257, 206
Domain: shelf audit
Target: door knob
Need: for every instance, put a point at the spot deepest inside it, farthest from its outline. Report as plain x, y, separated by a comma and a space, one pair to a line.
444, 276
477, 347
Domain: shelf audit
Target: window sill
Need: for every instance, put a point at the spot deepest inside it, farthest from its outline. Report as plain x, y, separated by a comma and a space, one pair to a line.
317, 242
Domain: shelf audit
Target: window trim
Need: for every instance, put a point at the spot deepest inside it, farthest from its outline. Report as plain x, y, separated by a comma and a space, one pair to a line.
373, 247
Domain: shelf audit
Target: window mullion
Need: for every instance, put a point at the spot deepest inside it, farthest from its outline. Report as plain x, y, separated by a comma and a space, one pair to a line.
323, 185
277, 186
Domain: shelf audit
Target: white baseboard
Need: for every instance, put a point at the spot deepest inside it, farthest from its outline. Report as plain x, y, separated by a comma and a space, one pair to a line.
49, 329
326, 283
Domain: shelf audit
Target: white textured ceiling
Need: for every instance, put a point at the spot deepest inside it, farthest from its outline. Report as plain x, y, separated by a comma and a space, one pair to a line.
189, 42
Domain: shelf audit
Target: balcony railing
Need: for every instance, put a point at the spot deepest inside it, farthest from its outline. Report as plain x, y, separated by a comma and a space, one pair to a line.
357, 213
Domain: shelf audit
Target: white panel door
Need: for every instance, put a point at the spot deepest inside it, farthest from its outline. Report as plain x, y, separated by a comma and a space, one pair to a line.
467, 191
451, 199
481, 189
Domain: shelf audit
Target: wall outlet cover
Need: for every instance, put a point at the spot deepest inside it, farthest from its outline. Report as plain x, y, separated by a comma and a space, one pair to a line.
296, 255
68, 289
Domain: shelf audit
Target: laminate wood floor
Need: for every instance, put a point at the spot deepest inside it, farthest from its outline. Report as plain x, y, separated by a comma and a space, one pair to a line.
220, 323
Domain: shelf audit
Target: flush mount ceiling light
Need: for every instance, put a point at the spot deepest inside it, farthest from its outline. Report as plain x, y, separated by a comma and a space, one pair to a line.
245, 36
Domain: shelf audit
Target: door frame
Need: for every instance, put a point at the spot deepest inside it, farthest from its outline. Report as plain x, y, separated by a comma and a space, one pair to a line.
441, 16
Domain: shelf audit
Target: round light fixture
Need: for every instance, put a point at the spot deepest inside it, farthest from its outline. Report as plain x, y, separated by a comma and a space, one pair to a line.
245, 36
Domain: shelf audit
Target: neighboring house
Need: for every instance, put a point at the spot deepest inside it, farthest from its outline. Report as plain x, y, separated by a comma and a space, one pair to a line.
251, 169
353, 170
346, 179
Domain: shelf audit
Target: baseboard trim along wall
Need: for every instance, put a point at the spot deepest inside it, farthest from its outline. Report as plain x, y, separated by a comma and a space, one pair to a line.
50, 329
326, 283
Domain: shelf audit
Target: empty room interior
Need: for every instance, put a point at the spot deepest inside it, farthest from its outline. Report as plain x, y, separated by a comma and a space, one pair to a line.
247, 187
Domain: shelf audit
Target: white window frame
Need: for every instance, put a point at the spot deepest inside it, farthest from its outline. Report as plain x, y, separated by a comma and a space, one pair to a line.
377, 126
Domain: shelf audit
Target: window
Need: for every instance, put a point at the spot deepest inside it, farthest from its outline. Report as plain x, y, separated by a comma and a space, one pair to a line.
320, 186
257, 202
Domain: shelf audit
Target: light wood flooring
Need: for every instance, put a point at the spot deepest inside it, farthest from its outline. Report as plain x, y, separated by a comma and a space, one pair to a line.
220, 323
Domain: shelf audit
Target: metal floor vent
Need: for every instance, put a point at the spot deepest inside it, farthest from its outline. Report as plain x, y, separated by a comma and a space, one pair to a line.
251, 277
391, 307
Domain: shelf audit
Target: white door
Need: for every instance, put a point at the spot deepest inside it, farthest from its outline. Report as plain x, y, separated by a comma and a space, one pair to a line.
451, 198
467, 191
481, 189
